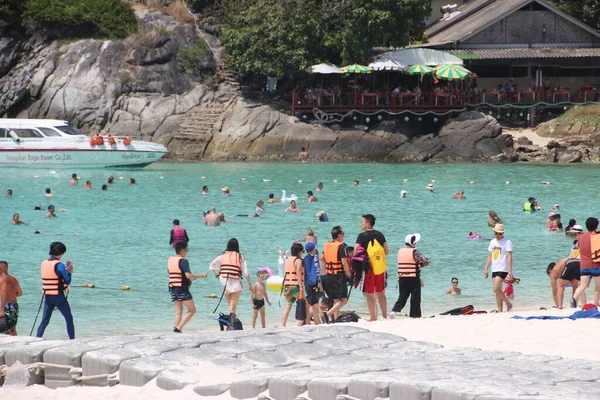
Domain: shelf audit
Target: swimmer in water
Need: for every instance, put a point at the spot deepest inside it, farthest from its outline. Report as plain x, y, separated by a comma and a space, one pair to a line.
310, 237
223, 219
50, 213
88, 185
132, 181
493, 219
272, 199
259, 206
212, 218
204, 189
105, 187
111, 180
16, 220
556, 207
459, 196
303, 155
9, 193
356, 183
48, 193
225, 191
293, 207
311, 197
74, 180
319, 186
403, 194
454, 289
430, 187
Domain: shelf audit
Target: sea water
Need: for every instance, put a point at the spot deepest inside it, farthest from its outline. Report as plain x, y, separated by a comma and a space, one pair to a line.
120, 237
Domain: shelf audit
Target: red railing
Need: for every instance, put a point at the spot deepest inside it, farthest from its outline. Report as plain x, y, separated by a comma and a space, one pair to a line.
371, 101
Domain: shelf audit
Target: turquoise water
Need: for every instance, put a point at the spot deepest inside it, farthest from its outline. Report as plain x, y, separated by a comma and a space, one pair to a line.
124, 232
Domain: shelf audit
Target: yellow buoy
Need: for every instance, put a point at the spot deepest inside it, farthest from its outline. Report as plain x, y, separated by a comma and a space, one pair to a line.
274, 283
406, 180
212, 296
126, 288
507, 183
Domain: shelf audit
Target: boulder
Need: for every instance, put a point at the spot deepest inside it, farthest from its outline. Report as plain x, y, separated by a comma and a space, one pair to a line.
553, 144
524, 140
569, 156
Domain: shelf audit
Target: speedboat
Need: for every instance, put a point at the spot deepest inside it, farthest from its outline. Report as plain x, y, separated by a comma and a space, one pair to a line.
56, 144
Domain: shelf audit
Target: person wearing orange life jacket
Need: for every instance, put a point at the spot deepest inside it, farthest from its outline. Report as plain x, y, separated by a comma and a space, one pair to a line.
56, 278
588, 267
180, 277
229, 268
410, 262
178, 234
293, 281
337, 272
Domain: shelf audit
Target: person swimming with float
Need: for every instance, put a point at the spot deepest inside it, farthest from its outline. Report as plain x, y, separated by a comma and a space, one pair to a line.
475, 235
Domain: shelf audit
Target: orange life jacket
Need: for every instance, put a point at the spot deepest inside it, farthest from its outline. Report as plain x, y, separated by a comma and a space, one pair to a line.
331, 255
176, 277
407, 266
52, 283
291, 277
230, 265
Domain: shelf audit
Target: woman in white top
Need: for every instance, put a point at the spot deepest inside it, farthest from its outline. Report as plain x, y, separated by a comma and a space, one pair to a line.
229, 268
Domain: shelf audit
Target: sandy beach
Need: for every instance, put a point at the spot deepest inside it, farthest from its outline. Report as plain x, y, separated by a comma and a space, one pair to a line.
487, 332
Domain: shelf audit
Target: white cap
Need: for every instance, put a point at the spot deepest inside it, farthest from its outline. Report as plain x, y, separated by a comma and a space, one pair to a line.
412, 238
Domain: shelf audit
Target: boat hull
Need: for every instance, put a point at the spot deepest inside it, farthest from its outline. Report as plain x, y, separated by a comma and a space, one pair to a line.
81, 158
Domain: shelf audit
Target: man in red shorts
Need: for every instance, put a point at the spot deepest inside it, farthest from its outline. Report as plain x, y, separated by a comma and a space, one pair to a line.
374, 286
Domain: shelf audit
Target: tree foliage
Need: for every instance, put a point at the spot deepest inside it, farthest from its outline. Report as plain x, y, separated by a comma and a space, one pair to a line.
283, 37
82, 18
10, 14
587, 11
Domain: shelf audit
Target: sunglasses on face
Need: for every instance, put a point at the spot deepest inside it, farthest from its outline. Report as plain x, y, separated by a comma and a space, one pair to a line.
498, 233
455, 282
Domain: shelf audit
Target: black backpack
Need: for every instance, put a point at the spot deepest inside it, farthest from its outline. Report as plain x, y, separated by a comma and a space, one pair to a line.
348, 317
234, 323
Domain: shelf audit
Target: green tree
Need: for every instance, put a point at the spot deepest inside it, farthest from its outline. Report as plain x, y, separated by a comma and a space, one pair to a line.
10, 14
82, 18
282, 37
587, 11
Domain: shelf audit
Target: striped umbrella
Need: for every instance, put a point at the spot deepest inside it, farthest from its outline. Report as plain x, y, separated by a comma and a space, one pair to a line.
419, 69
451, 72
356, 69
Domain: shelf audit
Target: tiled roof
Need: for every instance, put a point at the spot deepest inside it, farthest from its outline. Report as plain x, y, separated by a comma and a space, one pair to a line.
545, 52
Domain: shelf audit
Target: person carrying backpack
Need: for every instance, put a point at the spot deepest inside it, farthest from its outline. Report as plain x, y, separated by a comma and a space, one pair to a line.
375, 279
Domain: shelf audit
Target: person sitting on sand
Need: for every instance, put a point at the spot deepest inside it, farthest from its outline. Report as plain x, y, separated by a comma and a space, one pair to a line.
293, 207
459, 196
493, 219
561, 273
272, 199
311, 197
50, 213
259, 206
500, 258
454, 289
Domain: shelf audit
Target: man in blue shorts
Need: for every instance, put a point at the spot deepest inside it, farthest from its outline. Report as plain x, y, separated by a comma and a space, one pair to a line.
180, 278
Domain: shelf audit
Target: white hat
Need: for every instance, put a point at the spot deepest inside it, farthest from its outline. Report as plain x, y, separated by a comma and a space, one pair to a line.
225, 189
319, 213
412, 238
576, 229
499, 228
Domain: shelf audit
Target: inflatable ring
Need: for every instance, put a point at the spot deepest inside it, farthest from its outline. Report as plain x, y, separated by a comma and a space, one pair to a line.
267, 270
275, 283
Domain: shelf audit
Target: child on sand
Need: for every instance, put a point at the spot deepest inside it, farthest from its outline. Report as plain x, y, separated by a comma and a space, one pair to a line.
259, 295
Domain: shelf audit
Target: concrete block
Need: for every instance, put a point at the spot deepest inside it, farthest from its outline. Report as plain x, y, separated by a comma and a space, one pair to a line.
32, 352
304, 351
189, 340
407, 391
347, 345
208, 390
139, 371
194, 356
115, 341
247, 389
152, 347
342, 330
347, 364
327, 389
262, 359
71, 354
104, 361
410, 347
234, 364
265, 342
379, 339
287, 388
369, 389
205, 375
304, 336
229, 348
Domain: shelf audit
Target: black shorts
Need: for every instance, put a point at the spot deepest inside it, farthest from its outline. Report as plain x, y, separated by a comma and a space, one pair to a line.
312, 294
180, 294
258, 304
571, 270
337, 285
502, 275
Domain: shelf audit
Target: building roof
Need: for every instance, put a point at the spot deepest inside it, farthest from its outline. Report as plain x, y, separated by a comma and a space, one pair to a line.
525, 53
474, 17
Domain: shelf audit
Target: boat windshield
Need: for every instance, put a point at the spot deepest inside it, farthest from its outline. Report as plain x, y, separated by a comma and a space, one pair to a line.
49, 132
69, 130
27, 133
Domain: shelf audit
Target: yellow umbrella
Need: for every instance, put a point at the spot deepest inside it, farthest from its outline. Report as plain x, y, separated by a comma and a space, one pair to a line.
451, 72
419, 69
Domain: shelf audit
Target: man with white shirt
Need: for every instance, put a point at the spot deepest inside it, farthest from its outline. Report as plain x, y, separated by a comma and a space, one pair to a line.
500, 257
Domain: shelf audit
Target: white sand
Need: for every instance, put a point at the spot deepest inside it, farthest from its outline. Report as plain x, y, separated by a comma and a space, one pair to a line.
488, 331
529, 134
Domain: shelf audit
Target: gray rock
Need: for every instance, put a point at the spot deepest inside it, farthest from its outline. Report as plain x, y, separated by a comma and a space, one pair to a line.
569, 156
524, 140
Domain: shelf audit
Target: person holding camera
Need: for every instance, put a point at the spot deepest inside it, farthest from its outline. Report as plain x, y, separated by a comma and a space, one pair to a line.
56, 278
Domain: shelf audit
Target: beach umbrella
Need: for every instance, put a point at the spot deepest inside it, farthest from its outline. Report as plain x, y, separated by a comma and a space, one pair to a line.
325, 69
419, 69
356, 69
451, 72
388, 65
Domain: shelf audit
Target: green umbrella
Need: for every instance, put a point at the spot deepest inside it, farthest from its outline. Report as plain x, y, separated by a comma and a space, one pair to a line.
451, 72
419, 69
356, 69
